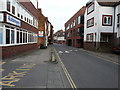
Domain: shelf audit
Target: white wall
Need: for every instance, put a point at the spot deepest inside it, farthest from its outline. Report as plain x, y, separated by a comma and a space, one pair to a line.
117, 11
60, 38
3, 5
93, 29
106, 11
98, 28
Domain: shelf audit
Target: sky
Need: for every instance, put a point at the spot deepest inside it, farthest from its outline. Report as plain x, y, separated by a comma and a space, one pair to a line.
60, 11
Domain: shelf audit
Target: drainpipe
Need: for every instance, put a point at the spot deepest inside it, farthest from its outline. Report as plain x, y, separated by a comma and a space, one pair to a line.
114, 29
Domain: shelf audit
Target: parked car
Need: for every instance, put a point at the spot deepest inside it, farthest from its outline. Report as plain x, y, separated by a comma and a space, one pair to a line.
116, 50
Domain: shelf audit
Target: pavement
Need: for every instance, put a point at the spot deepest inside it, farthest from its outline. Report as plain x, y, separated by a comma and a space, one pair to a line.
33, 70
108, 56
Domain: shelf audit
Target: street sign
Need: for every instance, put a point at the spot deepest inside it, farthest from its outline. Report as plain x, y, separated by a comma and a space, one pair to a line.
40, 33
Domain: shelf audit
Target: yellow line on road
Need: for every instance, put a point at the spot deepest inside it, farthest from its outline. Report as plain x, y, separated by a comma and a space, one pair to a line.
22, 69
67, 75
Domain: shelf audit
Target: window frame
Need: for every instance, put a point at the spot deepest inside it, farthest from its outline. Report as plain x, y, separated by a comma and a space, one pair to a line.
103, 16
87, 36
118, 20
89, 7
91, 24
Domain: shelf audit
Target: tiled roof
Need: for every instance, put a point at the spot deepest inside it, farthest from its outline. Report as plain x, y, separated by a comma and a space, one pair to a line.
105, 2
108, 2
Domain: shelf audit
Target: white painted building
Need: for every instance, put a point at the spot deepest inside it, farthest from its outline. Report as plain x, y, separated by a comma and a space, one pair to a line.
100, 26
59, 37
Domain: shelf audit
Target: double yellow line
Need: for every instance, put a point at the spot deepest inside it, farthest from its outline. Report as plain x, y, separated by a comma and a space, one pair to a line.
67, 75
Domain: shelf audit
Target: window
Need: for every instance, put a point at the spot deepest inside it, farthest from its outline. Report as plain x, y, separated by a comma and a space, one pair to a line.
89, 37
118, 20
107, 20
12, 37
13, 10
21, 16
18, 36
7, 36
79, 19
21, 36
26, 38
82, 19
90, 22
8, 5
90, 8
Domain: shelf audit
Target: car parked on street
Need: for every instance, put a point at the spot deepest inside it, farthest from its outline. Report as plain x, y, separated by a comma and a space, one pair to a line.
116, 50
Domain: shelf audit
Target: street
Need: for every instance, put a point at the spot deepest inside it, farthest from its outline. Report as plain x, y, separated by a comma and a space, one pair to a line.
81, 70
88, 70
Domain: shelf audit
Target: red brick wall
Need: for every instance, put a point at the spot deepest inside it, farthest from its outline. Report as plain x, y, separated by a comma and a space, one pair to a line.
90, 46
14, 50
41, 27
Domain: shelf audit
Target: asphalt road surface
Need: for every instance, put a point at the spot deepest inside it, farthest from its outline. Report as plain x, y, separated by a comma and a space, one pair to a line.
88, 70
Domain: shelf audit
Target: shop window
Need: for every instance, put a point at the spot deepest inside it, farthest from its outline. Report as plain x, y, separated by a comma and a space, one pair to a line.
8, 5
12, 37
1, 35
18, 36
7, 36
26, 38
90, 22
107, 20
13, 10
118, 21
27, 20
21, 37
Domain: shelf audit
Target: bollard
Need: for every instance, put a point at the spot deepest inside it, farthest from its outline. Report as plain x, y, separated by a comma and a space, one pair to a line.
53, 59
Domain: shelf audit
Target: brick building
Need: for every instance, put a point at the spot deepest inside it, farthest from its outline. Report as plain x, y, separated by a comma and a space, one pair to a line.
18, 27
45, 30
41, 28
74, 29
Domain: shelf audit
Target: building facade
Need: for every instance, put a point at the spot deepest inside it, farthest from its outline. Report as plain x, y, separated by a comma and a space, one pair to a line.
59, 37
18, 27
74, 29
45, 30
41, 29
101, 30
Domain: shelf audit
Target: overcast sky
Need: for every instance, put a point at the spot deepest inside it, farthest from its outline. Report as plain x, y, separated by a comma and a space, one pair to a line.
59, 11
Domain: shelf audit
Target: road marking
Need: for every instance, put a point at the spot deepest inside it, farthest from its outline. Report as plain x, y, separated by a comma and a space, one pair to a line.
15, 76
67, 52
71, 50
76, 50
72, 84
22, 69
60, 52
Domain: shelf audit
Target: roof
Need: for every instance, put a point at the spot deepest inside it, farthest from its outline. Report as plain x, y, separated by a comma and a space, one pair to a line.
108, 2
111, 3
